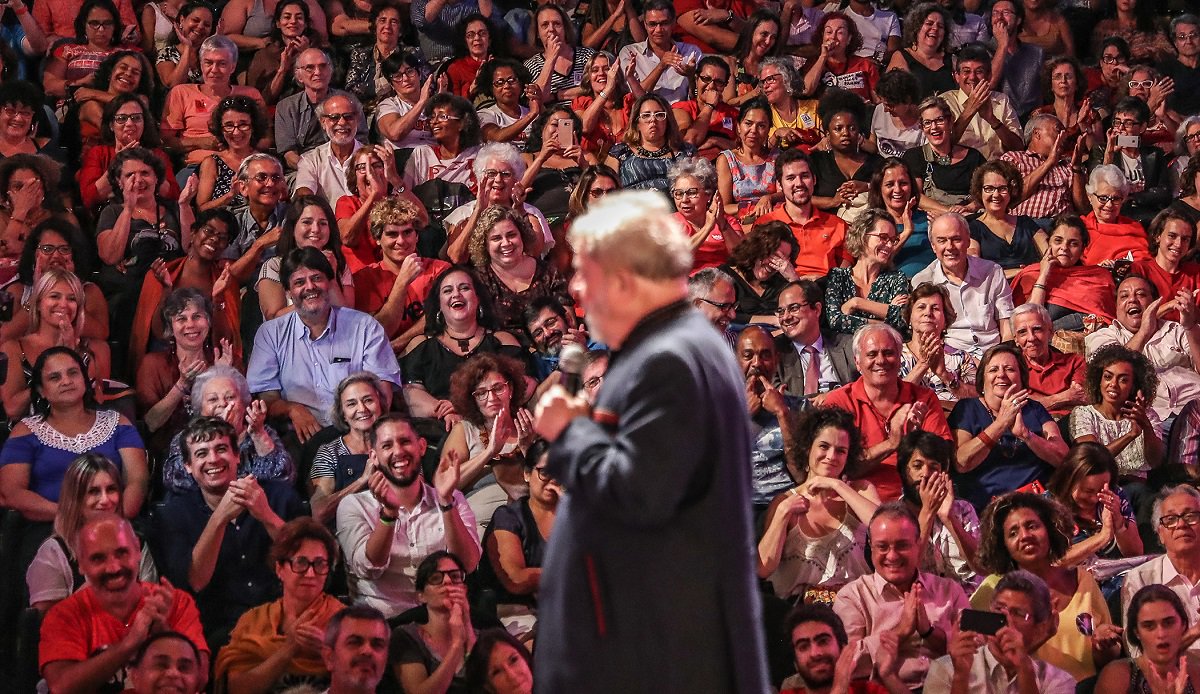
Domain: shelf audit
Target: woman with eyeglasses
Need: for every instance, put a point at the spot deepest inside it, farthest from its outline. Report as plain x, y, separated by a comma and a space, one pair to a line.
21, 112
706, 121
713, 237
179, 60
1187, 149
1063, 96
595, 182
1012, 241
402, 117
1135, 23
126, 122
1112, 235
273, 66
281, 642
1105, 82
506, 82
1067, 288
58, 244
238, 124
1160, 122
793, 121
650, 146
123, 72
1028, 531
430, 656
473, 46
72, 64
893, 189
761, 267
441, 174
942, 167
926, 359
29, 196
869, 290
1158, 625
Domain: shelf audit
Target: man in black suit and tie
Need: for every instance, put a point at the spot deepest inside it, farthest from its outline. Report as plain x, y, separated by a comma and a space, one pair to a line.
810, 361
648, 583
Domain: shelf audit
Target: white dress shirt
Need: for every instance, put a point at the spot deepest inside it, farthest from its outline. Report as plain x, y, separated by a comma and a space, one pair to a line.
672, 85
322, 173
980, 302
988, 676
1170, 354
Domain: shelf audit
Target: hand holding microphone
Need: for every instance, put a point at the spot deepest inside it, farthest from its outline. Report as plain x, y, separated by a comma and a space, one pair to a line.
561, 403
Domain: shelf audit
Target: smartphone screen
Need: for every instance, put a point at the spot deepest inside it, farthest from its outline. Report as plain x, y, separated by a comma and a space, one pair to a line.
982, 622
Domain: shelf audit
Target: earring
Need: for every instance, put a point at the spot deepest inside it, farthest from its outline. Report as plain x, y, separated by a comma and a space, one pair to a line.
479, 312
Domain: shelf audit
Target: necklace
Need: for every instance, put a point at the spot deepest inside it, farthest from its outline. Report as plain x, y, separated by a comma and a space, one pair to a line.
647, 154
464, 343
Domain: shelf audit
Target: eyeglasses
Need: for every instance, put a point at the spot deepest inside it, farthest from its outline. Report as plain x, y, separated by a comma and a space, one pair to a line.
123, 118
541, 473
770, 79
791, 308
1187, 37
99, 24
443, 117
600, 192
14, 112
1141, 84
930, 122
264, 177
505, 81
593, 383
335, 117
1112, 59
476, 35
362, 168
313, 68
406, 73
301, 565
1063, 77
885, 239
236, 127
722, 307
1189, 518
47, 249
1015, 614
209, 230
455, 576
1109, 199
482, 394
497, 173
688, 193
648, 116
712, 80
988, 190
1194, 137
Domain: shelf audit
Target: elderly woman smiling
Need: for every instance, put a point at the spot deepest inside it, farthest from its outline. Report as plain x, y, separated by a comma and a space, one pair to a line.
1113, 236
222, 391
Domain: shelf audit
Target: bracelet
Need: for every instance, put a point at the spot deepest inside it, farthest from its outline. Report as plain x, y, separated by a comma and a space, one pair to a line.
447, 507
386, 520
927, 633
604, 95
985, 439
1038, 285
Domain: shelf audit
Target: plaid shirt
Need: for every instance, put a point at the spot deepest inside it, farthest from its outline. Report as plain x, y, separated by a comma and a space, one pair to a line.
1052, 195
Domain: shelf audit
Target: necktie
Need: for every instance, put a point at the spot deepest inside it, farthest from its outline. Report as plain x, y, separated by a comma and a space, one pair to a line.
812, 372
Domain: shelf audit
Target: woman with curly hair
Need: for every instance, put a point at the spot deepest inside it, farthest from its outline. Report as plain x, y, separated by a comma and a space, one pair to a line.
237, 123
869, 289
499, 252
1064, 87
761, 267
837, 65
925, 53
495, 432
126, 122
1120, 386
1012, 241
1031, 532
816, 531
843, 173
123, 72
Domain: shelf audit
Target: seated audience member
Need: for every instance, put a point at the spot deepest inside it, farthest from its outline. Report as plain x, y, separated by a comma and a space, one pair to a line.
355, 649
820, 236
645, 59
1172, 238
322, 171
979, 293
771, 412
272, 68
1120, 386
280, 642
297, 128
1005, 438
1052, 176
595, 365
1006, 660
432, 656
1111, 235
309, 223
997, 233
166, 661
745, 175
870, 289
499, 663
261, 218
1187, 201
177, 59
927, 359
895, 121
824, 659
371, 177
982, 119
401, 117
814, 533
1087, 483
442, 174
126, 122
393, 290
91, 487
553, 172
239, 126
1068, 289
811, 360
29, 185
39, 450
501, 249
1173, 348
339, 466
384, 529
1175, 517
459, 324
885, 408
363, 77
845, 170
1055, 379
897, 597
221, 391
1030, 532
282, 370
505, 82
57, 316
942, 166
20, 135
761, 266
714, 293
70, 64
949, 526
88, 639
839, 63
201, 537
894, 189
1146, 167
1157, 625
549, 326
707, 222
499, 171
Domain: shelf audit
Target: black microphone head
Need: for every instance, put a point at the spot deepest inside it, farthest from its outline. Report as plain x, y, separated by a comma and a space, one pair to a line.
570, 363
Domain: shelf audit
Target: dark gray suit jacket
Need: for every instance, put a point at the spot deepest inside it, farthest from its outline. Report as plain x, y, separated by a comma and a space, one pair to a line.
838, 351
649, 581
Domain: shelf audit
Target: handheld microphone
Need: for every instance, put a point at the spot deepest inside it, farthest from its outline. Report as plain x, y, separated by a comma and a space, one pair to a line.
570, 363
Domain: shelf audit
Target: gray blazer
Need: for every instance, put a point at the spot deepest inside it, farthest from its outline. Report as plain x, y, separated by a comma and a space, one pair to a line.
838, 351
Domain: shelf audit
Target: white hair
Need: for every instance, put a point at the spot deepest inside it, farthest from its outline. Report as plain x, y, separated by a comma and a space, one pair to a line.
634, 230
1109, 174
503, 152
1040, 310
698, 168
1167, 493
860, 336
220, 42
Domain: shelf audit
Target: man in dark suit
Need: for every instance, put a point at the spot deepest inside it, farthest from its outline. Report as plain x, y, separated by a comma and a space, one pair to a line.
648, 582
810, 361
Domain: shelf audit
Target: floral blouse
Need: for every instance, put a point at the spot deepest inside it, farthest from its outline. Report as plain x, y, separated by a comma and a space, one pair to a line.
510, 305
960, 363
840, 288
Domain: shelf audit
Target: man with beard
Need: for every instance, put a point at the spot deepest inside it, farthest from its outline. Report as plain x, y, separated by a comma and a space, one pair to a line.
88, 638
898, 599
824, 663
713, 293
212, 538
810, 361
300, 357
322, 171
770, 417
296, 129
550, 327
399, 520
656, 519
356, 650
984, 119
1173, 348
1055, 378
821, 237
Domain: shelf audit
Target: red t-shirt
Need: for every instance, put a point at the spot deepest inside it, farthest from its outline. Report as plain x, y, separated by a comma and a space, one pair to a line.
462, 72
373, 283
858, 75
366, 249
1187, 277
1055, 376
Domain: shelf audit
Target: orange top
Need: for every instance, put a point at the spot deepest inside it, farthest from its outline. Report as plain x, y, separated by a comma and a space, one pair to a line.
821, 240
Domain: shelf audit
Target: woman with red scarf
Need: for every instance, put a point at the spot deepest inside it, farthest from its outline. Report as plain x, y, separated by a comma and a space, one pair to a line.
1068, 289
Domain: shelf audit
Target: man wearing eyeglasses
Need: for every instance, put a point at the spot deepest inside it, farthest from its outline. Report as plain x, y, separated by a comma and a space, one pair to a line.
712, 292
211, 539
1053, 177
810, 360
661, 64
1184, 68
297, 127
322, 171
984, 119
1176, 520
1144, 165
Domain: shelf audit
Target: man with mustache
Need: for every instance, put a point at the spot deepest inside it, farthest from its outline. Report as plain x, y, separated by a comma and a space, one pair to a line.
322, 170
400, 519
550, 327
825, 660
88, 639
898, 599
207, 538
810, 361
297, 130
356, 650
771, 413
